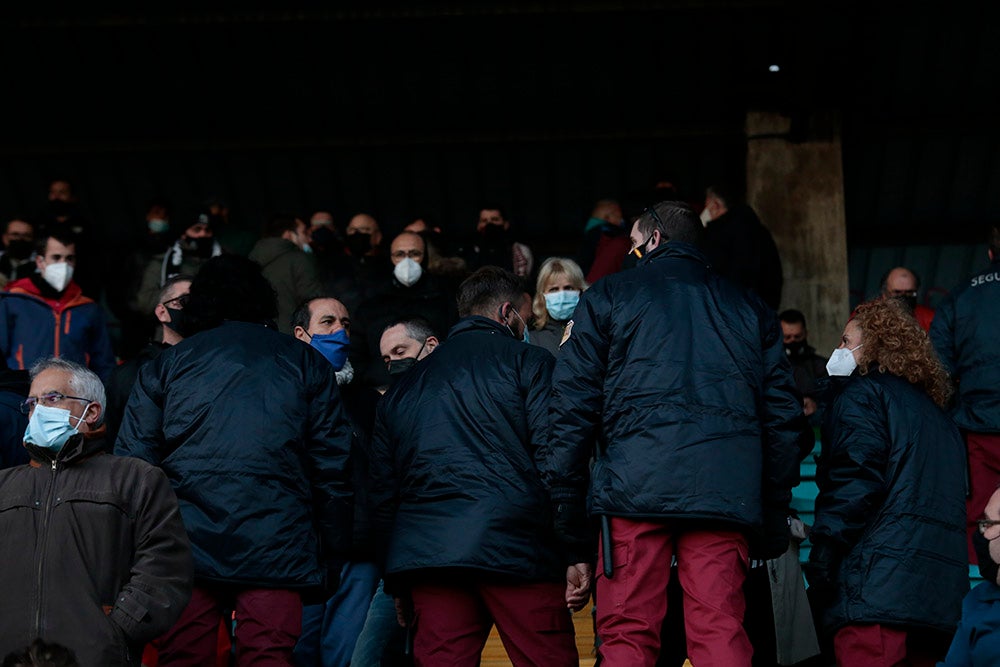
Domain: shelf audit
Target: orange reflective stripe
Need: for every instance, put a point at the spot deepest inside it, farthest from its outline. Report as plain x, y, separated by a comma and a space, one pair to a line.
19, 355
69, 314
55, 347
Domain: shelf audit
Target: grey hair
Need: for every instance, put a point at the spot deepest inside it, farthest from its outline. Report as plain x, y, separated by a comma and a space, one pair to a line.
83, 381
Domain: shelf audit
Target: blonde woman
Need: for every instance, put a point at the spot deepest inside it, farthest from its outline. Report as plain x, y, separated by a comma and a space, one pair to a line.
560, 283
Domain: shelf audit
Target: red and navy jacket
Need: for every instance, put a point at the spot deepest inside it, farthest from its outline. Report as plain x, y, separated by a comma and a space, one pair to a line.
72, 326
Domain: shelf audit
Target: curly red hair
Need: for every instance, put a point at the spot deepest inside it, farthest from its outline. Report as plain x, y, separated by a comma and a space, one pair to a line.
895, 343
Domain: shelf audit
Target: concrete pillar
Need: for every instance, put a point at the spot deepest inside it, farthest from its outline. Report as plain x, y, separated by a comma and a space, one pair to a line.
797, 189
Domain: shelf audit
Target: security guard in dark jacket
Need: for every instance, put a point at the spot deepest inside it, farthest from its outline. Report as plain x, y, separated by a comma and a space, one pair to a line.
459, 509
248, 425
681, 377
965, 332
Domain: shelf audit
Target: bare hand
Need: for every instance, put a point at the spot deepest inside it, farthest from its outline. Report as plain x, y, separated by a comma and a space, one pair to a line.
808, 406
404, 611
578, 579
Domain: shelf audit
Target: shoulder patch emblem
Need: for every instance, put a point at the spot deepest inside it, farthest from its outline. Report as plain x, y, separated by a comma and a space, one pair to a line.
566, 332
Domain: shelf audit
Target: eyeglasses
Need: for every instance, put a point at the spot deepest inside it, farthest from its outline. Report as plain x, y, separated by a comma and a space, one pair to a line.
902, 292
986, 524
177, 300
49, 400
651, 210
412, 254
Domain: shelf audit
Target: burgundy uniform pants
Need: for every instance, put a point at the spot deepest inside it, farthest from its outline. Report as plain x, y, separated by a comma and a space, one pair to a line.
452, 624
880, 646
984, 476
268, 623
631, 605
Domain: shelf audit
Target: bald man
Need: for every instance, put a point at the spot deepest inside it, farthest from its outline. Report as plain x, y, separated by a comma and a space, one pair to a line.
903, 284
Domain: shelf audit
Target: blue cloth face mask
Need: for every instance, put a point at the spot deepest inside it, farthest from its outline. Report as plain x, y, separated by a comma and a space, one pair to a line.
561, 304
332, 346
49, 428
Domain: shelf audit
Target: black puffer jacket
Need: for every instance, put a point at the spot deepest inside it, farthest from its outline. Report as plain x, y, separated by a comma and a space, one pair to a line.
890, 516
247, 423
94, 553
965, 331
455, 484
684, 375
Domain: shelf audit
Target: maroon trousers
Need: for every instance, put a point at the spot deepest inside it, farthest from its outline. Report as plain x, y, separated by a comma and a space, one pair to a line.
268, 623
452, 623
879, 646
984, 477
712, 566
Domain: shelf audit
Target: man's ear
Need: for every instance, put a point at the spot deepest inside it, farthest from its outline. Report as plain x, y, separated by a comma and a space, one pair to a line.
430, 344
94, 412
161, 313
288, 235
39, 263
301, 334
656, 239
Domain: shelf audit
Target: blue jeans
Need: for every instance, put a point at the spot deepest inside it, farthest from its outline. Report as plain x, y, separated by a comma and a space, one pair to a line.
329, 631
381, 635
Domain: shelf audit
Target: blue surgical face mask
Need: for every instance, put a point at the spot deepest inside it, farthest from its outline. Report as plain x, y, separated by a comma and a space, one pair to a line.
561, 304
49, 428
332, 346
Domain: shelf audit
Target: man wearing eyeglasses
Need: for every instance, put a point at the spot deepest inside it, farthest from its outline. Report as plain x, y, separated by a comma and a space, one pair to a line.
94, 552
410, 291
679, 380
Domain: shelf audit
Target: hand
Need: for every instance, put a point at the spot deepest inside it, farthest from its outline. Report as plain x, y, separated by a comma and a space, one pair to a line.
404, 611
578, 580
808, 406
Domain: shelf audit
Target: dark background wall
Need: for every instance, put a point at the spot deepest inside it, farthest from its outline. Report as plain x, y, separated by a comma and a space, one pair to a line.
404, 109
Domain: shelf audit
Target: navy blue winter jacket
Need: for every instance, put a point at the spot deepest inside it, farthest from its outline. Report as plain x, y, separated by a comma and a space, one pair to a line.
684, 376
247, 423
452, 464
890, 516
965, 333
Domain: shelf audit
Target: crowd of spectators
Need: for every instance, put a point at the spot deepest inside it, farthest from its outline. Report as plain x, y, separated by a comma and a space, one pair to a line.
327, 445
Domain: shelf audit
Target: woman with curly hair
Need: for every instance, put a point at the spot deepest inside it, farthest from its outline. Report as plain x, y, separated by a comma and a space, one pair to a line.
887, 571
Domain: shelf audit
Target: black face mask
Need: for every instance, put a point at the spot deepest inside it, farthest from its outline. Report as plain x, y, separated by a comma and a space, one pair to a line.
19, 249
494, 235
399, 366
988, 569
176, 319
359, 244
795, 350
204, 246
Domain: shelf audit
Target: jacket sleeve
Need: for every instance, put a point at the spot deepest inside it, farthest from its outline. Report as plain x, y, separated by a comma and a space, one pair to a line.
306, 281
785, 434
574, 420
852, 469
942, 334
782, 418
328, 449
384, 496
5, 316
160, 584
141, 431
102, 357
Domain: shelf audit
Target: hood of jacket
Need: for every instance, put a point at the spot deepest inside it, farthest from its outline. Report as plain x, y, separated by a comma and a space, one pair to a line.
269, 249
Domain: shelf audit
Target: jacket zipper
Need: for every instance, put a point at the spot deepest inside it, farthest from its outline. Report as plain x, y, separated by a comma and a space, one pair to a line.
44, 543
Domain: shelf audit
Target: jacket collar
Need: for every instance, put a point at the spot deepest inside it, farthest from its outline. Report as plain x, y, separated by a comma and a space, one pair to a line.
676, 249
479, 323
76, 449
